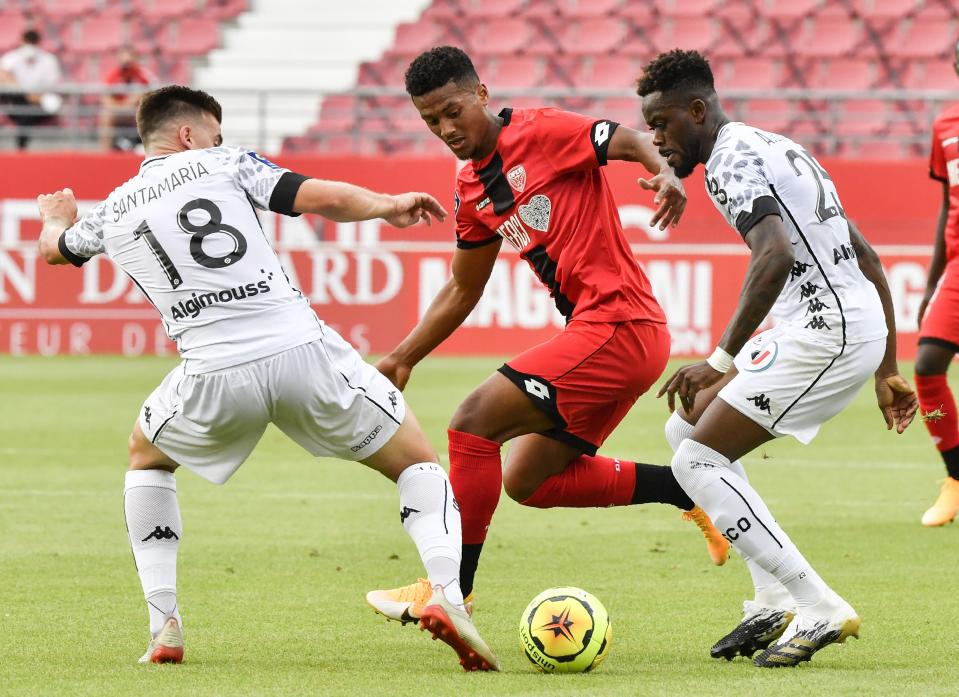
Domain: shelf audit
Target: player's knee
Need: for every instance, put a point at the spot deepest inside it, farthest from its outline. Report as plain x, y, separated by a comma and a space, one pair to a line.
518, 487
684, 465
931, 364
469, 418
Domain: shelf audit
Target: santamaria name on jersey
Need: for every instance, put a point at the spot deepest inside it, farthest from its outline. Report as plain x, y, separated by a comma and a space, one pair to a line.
128, 202
193, 306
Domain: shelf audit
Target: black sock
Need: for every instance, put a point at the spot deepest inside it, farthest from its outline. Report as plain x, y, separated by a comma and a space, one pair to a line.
471, 555
951, 458
657, 484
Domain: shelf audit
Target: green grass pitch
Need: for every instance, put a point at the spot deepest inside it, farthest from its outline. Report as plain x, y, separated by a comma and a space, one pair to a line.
274, 566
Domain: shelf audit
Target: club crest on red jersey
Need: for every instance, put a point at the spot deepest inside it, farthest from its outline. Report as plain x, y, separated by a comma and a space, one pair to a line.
536, 213
517, 178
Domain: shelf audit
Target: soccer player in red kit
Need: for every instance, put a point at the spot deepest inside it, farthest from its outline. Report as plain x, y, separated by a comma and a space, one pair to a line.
533, 178
939, 316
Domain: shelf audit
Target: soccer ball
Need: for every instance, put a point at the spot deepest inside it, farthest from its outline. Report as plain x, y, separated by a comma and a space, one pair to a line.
565, 630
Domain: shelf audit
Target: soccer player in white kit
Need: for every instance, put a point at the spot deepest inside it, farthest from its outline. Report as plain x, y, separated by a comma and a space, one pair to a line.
823, 284
253, 351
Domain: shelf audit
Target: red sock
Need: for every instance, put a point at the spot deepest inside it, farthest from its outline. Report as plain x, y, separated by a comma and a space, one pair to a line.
476, 475
588, 482
934, 393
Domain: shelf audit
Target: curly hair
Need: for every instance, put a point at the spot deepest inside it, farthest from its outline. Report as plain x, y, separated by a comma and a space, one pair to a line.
438, 66
173, 101
676, 70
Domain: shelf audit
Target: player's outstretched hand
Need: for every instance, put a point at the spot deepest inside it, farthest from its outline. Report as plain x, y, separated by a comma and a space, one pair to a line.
414, 207
686, 382
670, 197
60, 205
897, 401
395, 371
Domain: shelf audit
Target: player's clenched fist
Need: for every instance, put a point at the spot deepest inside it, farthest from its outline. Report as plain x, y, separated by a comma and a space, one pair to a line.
415, 206
60, 204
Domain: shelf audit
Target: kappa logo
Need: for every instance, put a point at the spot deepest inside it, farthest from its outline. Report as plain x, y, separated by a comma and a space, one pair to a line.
762, 359
392, 395
146, 416
162, 534
406, 512
536, 213
761, 401
517, 178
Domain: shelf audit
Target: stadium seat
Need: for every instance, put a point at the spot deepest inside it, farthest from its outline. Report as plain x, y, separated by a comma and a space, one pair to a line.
339, 112
12, 26
686, 8
591, 36
607, 72
68, 9
749, 73
518, 72
842, 73
699, 33
190, 37
155, 11
828, 36
387, 72
487, 9
97, 34
923, 38
580, 9
624, 110
499, 36
931, 75
416, 37
862, 117
885, 9
788, 11
769, 114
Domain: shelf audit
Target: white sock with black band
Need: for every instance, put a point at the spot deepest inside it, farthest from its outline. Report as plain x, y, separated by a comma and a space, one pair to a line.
431, 517
155, 529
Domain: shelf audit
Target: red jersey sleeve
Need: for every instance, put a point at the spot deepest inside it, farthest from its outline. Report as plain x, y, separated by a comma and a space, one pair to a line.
470, 234
937, 158
573, 142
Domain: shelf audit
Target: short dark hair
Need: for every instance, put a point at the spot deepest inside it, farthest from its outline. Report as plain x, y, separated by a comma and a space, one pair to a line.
173, 101
434, 68
31, 36
677, 70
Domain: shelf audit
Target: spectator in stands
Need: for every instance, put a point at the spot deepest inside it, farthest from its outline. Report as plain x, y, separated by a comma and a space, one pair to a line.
36, 71
118, 111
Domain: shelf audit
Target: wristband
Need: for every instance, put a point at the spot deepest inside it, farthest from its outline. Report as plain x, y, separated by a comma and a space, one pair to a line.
720, 361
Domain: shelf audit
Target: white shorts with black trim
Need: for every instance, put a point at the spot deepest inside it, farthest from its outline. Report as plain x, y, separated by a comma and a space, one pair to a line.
322, 394
791, 386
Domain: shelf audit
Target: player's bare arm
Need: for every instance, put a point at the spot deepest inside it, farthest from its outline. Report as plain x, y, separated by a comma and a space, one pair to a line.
769, 264
938, 263
58, 211
471, 271
633, 146
897, 400
344, 202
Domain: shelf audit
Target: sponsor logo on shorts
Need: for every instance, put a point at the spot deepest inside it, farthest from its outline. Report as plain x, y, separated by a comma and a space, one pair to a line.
370, 437
536, 388
392, 395
146, 416
762, 358
761, 402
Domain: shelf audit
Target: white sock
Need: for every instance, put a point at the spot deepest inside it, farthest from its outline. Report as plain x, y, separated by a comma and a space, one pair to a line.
154, 527
737, 510
431, 517
769, 592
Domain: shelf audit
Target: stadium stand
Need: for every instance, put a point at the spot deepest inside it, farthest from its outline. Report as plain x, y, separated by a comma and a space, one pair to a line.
758, 47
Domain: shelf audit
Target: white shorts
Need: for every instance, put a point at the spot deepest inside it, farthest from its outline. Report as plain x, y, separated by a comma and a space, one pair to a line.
322, 394
791, 386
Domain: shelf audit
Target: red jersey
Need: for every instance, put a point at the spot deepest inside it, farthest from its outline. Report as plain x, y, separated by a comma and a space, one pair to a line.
542, 190
944, 166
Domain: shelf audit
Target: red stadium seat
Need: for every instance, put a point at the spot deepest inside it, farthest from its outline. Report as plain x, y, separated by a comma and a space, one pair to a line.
699, 33
592, 36
862, 117
625, 110
607, 72
843, 73
830, 37
924, 38
416, 37
931, 75
518, 72
686, 8
788, 11
62, 9
12, 26
590, 8
388, 72
161, 10
885, 9
486, 9
98, 34
339, 112
224, 9
190, 37
500, 36
769, 114
749, 73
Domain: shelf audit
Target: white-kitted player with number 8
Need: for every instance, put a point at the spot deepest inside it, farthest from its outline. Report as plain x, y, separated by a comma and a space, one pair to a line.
253, 351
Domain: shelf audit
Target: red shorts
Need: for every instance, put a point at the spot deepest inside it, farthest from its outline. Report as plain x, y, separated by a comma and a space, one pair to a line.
587, 378
940, 325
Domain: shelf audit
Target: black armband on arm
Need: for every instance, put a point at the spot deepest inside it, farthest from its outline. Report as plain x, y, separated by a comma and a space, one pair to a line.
284, 193
600, 135
762, 206
67, 254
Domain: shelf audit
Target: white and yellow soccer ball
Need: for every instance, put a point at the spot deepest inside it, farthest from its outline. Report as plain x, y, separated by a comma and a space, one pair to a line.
565, 630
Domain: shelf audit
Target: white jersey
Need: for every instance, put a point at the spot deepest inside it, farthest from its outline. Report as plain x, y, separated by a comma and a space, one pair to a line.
751, 174
185, 231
